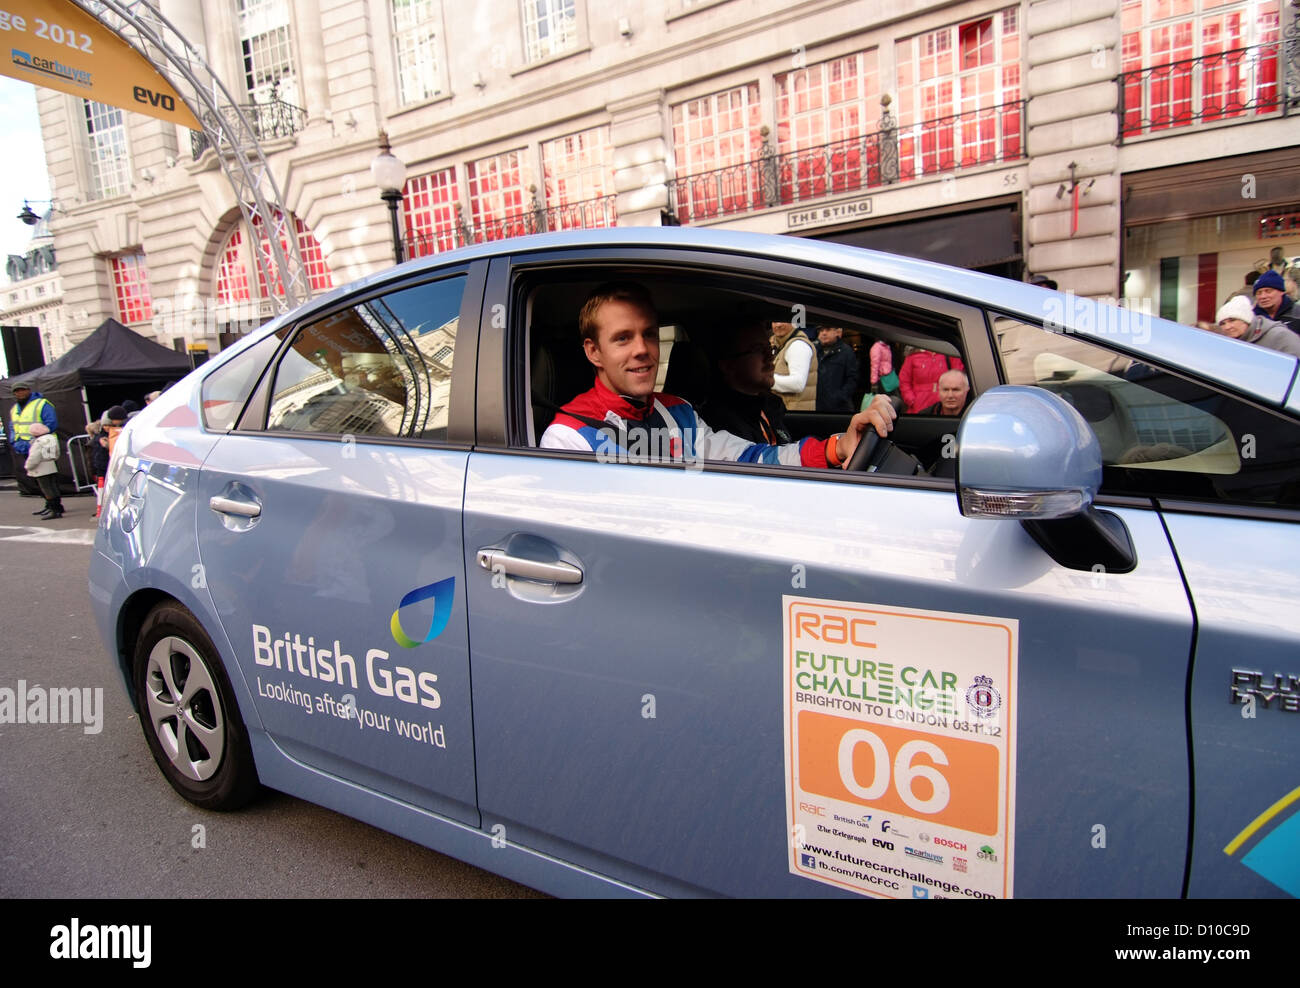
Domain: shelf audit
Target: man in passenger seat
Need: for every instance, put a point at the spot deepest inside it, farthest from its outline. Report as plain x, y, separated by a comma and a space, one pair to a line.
622, 412
740, 399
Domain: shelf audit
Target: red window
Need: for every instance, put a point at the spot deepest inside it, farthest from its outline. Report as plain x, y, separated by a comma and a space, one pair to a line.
976, 41
577, 169
313, 259
831, 106
232, 275
719, 147
429, 205
959, 96
131, 286
1186, 61
500, 195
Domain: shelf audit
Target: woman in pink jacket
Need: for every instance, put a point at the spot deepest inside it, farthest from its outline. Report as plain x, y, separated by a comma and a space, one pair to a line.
919, 378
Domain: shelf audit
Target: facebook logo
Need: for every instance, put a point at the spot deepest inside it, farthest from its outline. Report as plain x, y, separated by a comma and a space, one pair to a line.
808, 861
920, 892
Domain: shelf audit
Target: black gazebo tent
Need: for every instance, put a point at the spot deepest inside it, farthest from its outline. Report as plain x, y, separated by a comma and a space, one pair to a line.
107, 367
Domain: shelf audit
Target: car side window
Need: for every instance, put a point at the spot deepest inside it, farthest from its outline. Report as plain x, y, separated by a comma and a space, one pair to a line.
380, 367
227, 388
726, 370
1161, 435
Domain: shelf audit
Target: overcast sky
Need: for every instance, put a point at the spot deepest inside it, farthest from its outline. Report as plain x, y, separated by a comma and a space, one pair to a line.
23, 174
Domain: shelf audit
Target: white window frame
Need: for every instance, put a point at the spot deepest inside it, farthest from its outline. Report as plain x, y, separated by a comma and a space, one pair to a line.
108, 158
537, 49
257, 19
424, 36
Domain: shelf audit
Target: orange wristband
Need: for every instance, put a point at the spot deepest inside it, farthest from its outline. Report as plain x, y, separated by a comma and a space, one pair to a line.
833, 450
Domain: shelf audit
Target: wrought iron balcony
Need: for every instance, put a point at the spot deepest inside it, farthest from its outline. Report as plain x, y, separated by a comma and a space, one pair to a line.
270, 120
1240, 85
585, 215
890, 155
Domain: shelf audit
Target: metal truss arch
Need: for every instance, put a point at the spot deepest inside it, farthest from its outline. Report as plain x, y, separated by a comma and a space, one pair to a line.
142, 26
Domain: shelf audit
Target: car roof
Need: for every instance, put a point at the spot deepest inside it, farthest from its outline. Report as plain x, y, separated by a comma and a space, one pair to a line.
1266, 374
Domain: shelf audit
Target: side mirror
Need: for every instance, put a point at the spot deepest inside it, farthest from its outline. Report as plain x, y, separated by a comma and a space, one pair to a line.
1026, 453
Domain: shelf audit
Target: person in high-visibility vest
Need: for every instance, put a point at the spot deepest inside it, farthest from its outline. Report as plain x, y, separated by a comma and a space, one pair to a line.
29, 407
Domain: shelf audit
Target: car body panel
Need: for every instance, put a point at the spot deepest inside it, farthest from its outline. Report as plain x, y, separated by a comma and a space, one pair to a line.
1241, 576
681, 601
346, 531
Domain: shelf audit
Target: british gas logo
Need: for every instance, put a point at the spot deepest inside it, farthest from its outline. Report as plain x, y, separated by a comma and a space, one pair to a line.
443, 594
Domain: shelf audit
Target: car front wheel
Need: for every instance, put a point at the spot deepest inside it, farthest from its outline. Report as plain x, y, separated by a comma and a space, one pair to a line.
188, 712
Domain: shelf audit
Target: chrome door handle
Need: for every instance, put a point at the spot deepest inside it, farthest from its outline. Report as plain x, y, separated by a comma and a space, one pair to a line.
229, 506
529, 569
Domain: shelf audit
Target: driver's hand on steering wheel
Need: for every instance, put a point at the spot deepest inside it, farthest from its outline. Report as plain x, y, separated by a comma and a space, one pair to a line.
880, 414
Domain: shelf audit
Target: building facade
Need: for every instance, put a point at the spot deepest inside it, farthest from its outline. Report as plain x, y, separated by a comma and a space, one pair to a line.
32, 295
1133, 148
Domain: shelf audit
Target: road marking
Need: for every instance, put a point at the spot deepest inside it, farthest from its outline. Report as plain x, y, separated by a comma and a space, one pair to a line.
32, 533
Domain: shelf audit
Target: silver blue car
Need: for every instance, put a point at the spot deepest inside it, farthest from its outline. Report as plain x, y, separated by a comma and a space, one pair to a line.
1041, 643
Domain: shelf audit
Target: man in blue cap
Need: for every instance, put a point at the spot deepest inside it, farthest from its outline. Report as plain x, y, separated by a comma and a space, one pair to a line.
1272, 301
29, 408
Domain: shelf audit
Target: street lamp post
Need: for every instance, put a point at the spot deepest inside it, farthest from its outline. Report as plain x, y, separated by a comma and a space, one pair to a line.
390, 175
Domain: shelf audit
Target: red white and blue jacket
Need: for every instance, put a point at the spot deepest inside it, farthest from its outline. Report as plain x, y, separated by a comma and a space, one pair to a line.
664, 428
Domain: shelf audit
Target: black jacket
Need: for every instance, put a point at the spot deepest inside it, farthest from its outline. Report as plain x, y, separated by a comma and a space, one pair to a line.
743, 415
837, 377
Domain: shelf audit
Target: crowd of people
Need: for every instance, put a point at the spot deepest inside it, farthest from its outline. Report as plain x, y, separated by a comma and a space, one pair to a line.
35, 448
832, 376
1264, 310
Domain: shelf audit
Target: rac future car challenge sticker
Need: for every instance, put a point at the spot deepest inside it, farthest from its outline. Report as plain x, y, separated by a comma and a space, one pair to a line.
900, 745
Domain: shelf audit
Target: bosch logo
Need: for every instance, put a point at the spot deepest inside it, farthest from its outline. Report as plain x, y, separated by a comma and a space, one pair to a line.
954, 844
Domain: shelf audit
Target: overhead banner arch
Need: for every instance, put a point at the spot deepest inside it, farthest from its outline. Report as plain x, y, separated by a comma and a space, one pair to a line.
185, 91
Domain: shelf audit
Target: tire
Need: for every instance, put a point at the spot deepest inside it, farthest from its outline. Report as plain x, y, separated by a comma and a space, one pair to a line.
200, 743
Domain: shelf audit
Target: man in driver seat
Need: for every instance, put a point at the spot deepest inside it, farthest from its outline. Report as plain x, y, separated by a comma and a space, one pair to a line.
622, 412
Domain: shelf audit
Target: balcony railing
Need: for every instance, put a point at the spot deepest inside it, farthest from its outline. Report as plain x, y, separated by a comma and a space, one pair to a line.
1240, 85
270, 120
890, 155
584, 215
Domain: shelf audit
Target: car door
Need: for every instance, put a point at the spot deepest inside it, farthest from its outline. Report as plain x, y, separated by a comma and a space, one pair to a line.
742, 696
1225, 471
330, 540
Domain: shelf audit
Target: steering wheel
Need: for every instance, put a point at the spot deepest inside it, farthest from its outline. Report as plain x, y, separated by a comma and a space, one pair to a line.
870, 451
